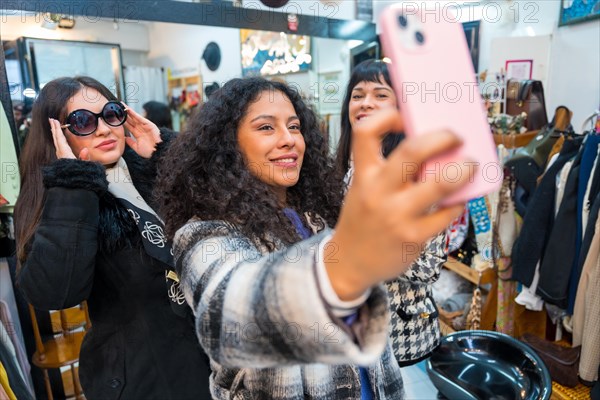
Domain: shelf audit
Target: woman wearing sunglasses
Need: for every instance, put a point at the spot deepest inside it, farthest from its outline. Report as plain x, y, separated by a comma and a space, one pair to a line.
87, 230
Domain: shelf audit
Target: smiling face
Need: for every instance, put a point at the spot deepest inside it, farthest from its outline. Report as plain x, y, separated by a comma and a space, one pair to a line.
270, 140
367, 97
107, 144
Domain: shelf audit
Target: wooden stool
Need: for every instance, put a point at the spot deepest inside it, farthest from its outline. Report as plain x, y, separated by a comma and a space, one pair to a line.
63, 349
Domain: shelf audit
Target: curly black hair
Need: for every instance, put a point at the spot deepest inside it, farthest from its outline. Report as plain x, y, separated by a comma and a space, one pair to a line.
203, 173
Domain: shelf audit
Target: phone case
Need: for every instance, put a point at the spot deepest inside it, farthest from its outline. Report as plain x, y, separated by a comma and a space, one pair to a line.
436, 88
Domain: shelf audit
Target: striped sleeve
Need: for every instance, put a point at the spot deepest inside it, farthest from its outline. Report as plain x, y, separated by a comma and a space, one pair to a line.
261, 311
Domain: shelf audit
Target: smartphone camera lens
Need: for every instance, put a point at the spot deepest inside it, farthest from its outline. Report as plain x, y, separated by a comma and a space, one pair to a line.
420, 37
402, 21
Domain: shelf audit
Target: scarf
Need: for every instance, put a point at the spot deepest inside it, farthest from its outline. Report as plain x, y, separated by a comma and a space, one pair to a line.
295, 219
151, 228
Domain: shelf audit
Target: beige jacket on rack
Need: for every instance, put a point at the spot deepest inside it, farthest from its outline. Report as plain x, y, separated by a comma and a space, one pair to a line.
586, 315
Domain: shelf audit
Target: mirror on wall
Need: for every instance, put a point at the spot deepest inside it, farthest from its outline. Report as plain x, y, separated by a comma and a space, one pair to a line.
41, 60
32, 62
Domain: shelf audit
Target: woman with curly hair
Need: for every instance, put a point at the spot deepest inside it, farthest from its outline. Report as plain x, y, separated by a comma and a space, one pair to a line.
285, 307
415, 328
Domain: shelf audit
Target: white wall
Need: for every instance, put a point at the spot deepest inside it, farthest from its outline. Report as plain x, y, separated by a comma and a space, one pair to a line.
180, 48
535, 48
573, 75
134, 57
131, 35
573, 70
333, 55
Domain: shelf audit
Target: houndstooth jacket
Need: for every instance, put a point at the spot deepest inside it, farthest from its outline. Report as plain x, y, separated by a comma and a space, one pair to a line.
261, 318
415, 328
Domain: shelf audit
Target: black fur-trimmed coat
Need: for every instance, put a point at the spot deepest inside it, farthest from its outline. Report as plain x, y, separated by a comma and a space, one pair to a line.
87, 247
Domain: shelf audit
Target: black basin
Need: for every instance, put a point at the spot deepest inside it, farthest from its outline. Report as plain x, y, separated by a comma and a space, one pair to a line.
486, 365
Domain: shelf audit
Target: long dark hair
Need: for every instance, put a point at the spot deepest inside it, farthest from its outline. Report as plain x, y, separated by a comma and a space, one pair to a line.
39, 151
203, 174
366, 71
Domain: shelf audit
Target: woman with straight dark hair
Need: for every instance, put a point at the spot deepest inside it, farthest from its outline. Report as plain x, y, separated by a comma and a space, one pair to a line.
285, 307
86, 230
374, 71
415, 330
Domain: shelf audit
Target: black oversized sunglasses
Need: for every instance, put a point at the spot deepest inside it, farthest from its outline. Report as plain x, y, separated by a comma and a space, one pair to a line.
84, 122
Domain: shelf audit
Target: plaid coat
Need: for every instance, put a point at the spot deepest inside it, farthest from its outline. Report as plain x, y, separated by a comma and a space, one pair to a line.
261, 318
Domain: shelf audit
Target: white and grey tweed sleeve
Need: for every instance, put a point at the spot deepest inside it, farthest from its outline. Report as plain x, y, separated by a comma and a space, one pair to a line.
261, 310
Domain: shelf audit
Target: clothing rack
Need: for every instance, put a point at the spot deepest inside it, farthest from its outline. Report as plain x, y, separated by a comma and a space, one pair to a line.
590, 119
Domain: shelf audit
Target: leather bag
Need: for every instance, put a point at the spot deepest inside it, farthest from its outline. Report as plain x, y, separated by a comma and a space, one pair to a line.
527, 96
562, 362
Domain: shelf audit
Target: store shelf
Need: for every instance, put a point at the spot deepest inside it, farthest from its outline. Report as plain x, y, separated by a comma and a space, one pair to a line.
487, 276
185, 82
514, 141
470, 274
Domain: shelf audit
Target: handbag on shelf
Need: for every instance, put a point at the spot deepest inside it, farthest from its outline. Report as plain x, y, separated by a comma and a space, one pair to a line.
527, 96
562, 362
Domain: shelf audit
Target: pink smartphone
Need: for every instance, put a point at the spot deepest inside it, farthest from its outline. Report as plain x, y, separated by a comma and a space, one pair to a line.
436, 88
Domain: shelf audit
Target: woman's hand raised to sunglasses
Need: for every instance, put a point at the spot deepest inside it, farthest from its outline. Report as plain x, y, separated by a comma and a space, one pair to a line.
387, 213
146, 134
63, 150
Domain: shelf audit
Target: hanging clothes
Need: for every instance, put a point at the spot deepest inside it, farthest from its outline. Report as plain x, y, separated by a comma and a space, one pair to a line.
557, 259
9, 316
9, 323
561, 182
586, 315
555, 150
15, 382
528, 297
505, 312
10, 349
6, 392
505, 234
529, 246
590, 231
588, 161
588, 197
560, 265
